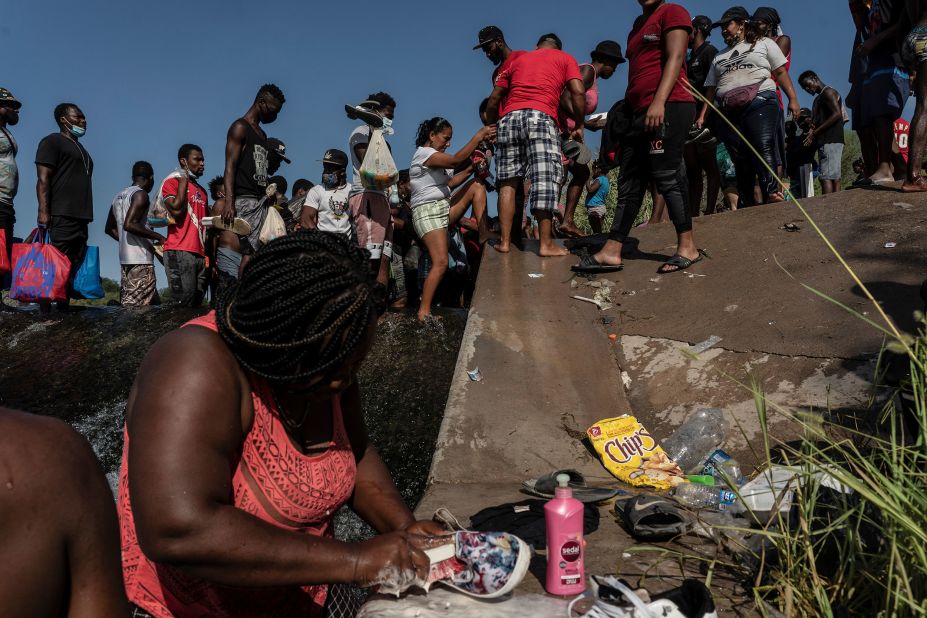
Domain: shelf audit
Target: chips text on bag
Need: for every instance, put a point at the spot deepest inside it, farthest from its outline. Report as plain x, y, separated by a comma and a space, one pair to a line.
630, 453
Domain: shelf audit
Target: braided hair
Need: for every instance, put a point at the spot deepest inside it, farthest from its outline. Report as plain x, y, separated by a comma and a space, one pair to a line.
432, 125
302, 306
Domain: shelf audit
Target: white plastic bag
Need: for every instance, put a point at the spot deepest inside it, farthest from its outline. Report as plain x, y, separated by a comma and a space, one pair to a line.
378, 170
158, 214
273, 226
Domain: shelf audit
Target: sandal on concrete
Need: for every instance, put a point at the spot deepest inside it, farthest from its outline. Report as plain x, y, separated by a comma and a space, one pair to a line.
545, 486
589, 266
681, 263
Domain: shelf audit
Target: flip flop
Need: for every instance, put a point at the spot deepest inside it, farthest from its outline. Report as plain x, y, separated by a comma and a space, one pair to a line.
652, 518
485, 565
589, 266
869, 182
239, 226
681, 262
544, 487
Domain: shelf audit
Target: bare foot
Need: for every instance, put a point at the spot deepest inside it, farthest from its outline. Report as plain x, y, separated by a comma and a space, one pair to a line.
570, 229
399, 304
881, 180
501, 247
607, 260
552, 250
915, 187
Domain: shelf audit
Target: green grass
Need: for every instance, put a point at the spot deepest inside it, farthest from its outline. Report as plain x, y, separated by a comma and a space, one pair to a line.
867, 557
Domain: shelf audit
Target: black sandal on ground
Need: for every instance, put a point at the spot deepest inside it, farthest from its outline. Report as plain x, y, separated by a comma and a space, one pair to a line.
589, 266
681, 263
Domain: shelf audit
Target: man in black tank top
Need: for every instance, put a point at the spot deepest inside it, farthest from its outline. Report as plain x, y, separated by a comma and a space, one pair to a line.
827, 129
246, 172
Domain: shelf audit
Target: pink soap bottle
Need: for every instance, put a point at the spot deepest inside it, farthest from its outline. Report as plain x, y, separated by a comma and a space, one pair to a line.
565, 546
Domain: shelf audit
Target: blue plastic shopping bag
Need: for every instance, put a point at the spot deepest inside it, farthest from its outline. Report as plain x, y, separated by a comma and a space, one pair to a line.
87, 282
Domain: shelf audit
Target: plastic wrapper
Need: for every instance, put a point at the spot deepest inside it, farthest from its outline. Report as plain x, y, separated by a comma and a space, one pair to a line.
629, 452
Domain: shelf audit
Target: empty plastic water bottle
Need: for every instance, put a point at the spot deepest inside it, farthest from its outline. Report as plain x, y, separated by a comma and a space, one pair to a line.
724, 468
691, 443
698, 496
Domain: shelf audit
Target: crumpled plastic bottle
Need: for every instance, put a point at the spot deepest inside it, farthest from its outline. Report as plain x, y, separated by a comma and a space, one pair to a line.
691, 444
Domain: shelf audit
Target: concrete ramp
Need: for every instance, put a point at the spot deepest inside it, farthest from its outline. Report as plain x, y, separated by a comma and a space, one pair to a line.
547, 369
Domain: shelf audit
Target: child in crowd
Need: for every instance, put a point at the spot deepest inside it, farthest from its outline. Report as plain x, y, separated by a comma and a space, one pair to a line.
596, 191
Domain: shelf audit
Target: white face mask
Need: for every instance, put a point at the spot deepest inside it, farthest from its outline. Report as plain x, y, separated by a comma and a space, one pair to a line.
388, 126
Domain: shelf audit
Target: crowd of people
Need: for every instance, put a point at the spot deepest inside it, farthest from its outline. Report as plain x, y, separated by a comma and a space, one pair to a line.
227, 493
664, 137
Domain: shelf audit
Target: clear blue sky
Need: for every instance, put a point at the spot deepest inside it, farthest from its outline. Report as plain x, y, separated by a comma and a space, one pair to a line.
153, 75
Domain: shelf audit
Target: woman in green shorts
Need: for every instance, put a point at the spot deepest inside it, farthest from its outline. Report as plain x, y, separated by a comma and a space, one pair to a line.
434, 207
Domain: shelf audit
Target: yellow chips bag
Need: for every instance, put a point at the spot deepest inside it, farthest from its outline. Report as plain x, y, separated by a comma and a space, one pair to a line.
630, 453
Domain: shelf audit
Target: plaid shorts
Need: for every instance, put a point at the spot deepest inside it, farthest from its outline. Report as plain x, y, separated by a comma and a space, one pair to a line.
528, 146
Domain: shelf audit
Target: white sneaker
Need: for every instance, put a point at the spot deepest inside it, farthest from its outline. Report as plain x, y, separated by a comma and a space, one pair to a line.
613, 599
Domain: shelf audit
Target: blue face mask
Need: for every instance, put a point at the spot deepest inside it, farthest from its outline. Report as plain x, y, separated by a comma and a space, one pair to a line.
77, 131
387, 125
330, 180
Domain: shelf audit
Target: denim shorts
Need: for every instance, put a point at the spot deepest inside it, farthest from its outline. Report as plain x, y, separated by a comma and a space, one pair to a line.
831, 159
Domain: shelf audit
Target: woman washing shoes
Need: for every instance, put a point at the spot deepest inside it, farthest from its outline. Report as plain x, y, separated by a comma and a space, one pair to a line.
245, 435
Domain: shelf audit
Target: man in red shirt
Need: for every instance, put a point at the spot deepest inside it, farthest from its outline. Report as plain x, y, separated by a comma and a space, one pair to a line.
184, 251
528, 91
660, 112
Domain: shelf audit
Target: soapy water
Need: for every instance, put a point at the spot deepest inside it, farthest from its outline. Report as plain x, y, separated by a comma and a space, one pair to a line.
393, 581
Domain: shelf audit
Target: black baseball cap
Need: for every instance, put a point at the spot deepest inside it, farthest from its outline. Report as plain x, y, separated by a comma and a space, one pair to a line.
609, 50
735, 13
767, 15
703, 23
277, 147
488, 35
336, 157
7, 97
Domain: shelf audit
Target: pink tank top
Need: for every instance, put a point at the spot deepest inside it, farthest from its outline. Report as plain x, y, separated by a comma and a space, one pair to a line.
273, 481
592, 99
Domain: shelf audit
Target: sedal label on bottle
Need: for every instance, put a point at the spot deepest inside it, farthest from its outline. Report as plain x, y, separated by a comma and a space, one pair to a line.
571, 551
